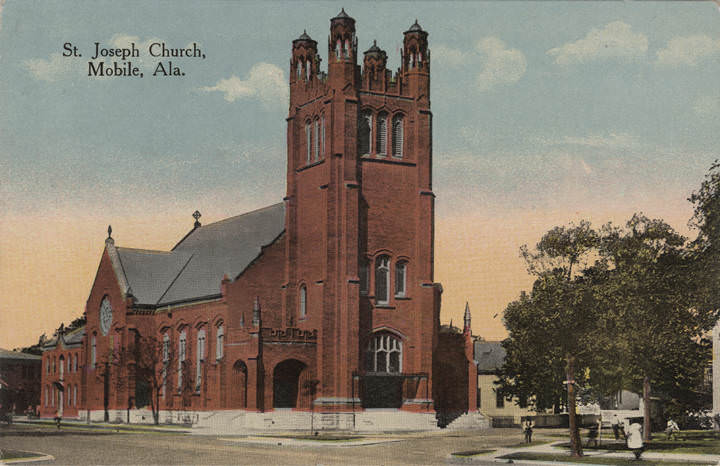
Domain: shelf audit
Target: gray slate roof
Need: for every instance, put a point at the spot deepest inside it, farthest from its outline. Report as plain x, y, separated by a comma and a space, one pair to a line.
489, 355
195, 267
7, 354
71, 338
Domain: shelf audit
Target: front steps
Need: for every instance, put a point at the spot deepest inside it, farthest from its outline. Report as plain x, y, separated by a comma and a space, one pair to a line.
370, 420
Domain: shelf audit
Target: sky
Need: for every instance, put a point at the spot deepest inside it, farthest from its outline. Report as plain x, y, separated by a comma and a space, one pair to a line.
544, 113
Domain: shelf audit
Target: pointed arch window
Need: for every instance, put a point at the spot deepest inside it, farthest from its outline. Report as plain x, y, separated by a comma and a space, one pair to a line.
62, 366
303, 301
166, 361
200, 358
381, 143
322, 136
220, 343
401, 278
397, 136
308, 140
182, 344
316, 146
384, 354
364, 132
299, 69
382, 280
93, 351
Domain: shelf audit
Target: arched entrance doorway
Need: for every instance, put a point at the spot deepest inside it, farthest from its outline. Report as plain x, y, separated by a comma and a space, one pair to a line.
238, 385
286, 383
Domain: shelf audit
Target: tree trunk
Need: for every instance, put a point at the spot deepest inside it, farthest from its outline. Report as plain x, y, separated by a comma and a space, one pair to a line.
575, 442
646, 409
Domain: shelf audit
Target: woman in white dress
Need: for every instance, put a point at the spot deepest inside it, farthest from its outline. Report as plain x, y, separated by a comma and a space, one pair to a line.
634, 439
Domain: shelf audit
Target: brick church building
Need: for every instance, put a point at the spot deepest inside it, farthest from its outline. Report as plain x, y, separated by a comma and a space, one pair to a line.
324, 302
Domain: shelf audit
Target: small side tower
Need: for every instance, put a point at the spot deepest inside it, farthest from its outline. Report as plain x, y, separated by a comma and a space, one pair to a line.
375, 74
305, 62
342, 51
415, 68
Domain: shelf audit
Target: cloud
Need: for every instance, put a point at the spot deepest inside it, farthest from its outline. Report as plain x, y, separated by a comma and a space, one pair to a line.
689, 50
502, 65
51, 69
124, 41
58, 67
614, 41
707, 105
265, 82
447, 55
608, 141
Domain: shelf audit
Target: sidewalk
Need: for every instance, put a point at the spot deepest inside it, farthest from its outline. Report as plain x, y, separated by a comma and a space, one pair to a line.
78, 424
552, 448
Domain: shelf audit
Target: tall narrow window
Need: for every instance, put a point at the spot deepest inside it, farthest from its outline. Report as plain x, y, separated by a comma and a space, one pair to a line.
397, 136
499, 398
75, 359
381, 143
308, 140
200, 358
303, 301
220, 343
181, 357
46, 397
364, 276
382, 279
47, 367
93, 351
166, 361
75, 396
364, 132
322, 136
317, 139
299, 69
62, 366
400, 278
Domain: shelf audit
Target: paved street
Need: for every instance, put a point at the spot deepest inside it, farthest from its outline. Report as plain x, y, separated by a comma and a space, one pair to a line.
73, 446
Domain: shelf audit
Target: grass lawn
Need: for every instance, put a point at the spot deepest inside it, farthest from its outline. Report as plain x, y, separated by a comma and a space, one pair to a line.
564, 458
490, 450
467, 454
691, 441
9, 455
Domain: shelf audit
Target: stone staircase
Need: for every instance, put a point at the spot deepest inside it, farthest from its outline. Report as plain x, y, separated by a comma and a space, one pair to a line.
371, 420
470, 421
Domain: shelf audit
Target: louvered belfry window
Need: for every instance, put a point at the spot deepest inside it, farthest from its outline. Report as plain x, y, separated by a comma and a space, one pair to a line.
397, 135
317, 139
364, 132
308, 140
381, 143
322, 138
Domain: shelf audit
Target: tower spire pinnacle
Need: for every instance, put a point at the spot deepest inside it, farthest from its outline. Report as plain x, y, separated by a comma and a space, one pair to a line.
466, 318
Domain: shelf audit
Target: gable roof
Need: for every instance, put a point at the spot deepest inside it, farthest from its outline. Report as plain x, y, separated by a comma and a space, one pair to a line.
489, 355
196, 265
70, 338
17, 355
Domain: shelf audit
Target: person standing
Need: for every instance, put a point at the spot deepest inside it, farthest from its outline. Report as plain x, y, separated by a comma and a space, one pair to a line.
616, 426
672, 429
634, 439
528, 429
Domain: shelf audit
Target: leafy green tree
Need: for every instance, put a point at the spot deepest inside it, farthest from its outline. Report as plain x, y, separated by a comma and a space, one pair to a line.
550, 330
649, 328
